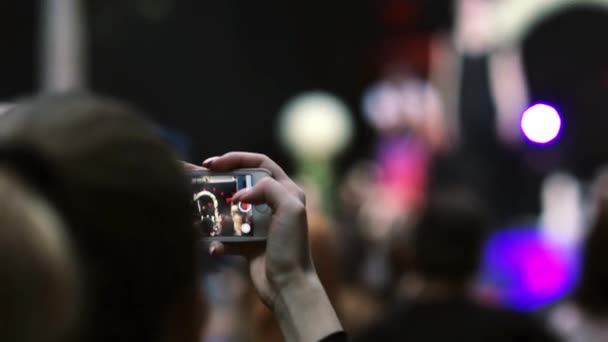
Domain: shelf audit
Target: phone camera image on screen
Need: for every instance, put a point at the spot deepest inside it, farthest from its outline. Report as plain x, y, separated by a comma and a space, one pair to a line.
213, 211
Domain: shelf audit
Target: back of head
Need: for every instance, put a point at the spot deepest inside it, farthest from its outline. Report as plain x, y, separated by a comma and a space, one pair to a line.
39, 296
124, 198
447, 238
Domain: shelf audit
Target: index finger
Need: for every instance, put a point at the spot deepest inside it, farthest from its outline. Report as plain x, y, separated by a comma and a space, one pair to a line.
245, 160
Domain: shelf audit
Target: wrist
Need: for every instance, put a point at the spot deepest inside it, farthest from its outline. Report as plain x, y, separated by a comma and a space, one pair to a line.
303, 309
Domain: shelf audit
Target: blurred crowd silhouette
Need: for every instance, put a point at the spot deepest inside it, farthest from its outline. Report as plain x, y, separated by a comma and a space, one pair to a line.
451, 154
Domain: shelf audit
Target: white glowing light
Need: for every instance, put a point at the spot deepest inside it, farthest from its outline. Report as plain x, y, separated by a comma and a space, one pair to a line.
245, 228
315, 125
541, 123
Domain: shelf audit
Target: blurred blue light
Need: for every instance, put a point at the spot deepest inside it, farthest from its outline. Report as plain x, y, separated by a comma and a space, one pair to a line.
525, 271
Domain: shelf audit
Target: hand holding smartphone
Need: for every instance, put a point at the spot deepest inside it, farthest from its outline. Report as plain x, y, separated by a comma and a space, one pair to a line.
216, 216
281, 268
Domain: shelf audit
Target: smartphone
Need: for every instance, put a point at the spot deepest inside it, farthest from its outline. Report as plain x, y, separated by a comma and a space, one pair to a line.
217, 217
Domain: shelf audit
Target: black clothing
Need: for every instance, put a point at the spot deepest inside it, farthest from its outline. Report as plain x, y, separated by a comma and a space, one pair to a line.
453, 320
336, 337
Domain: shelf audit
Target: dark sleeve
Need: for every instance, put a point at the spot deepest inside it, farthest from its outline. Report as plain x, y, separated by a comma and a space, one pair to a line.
339, 336
383, 330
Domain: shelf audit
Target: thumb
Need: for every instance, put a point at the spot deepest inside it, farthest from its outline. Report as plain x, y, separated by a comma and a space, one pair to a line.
266, 191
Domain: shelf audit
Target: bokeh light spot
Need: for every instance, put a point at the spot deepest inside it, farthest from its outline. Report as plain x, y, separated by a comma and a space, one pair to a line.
526, 272
541, 123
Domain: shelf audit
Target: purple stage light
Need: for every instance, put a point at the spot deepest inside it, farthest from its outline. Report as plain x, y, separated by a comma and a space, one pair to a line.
541, 123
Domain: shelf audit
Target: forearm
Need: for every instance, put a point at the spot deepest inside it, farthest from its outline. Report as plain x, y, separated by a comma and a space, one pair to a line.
304, 311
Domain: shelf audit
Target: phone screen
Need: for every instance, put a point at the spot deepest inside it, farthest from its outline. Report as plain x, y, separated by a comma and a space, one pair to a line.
214, 213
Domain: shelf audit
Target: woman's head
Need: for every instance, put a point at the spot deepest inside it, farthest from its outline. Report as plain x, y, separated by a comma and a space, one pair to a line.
124, 199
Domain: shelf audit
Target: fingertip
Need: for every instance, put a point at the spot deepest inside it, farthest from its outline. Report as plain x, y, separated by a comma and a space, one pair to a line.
238, 196
209, 161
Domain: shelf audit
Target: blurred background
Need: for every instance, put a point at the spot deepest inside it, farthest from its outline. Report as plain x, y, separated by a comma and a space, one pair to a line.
373, 105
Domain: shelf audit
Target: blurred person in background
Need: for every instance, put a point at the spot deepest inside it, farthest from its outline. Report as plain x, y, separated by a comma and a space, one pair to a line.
357, 305
121, 194
237, 220
439, 256
124, 198
40, 294
584, 316
383, 195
